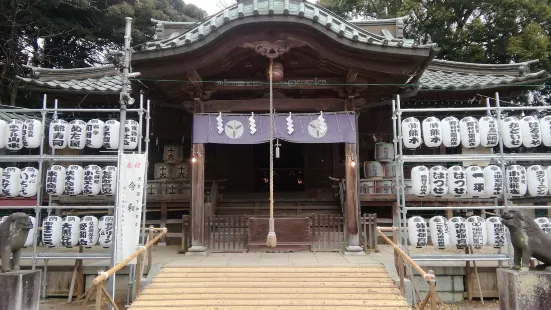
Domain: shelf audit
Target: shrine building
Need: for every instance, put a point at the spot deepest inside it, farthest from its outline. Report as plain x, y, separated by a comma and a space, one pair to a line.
333, 84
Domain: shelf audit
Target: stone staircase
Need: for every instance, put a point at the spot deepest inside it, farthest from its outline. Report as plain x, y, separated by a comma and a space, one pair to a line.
271, 287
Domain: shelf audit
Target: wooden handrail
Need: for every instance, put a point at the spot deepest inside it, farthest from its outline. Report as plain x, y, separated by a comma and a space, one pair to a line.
406, 257
103, 276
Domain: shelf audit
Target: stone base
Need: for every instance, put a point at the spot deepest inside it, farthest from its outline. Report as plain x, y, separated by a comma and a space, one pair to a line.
529, 290
20, 290
197, 251
354, 250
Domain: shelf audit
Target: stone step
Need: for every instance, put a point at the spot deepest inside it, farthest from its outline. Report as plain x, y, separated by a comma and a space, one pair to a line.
169, 289
282, 275
277, 295
276, 308
269, 302
273, 280
275, 269
264, 284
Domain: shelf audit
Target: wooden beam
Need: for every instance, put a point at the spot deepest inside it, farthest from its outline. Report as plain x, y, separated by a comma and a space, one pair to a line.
351, 75
255, 105
287, 83
198, 194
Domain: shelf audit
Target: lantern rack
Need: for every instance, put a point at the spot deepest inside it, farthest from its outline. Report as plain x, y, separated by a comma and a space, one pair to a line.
43, 158
401, 220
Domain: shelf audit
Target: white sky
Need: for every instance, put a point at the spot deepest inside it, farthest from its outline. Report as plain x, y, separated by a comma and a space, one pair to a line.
214, 6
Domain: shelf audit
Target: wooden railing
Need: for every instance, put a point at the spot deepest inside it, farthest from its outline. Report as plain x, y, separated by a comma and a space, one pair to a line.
402, 259
97, 283
328, 232
368, 230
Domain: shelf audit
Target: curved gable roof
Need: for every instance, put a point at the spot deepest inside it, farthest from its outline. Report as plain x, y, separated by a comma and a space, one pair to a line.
289, 9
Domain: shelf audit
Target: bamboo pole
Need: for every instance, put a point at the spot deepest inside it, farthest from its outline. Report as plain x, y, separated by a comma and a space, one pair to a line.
102, 277
477, 277
432, 288
406, 257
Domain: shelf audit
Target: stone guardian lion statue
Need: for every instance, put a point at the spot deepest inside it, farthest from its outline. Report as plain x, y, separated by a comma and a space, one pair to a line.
13, 234
528, 240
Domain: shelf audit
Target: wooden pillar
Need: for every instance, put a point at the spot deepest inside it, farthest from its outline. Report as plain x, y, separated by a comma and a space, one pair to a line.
198, 200
351, 175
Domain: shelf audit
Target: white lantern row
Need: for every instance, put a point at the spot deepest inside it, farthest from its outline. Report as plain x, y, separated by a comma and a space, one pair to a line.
94, 134
476, 182
19, 182
72, 231
471, 132
458, 232
90, 180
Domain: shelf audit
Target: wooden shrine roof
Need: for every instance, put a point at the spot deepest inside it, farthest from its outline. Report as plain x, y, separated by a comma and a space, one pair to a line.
439, 76
190, 37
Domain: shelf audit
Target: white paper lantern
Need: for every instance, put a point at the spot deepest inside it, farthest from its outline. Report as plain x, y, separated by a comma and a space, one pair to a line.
14, 139
516, 180
438, 181
51, 231
489, 134
391, 169
28, 187
457, 181
458, 232
476, 231
495, 232
111, 134
545, 127
31, 236
531, 131
74, 176
164, 171
77, 134
55, 180
32, 133
493, 181
109, 180
70, 231
511, 132
3, 134
89, 233
439, 232
385, 187
373, 169
544, 223
94, 133
173, 154
106, 225
475, 181
537, 181
130, 134
59, 134
420, 183
470, 132
432, 132
11, 181
181, 171
411, 132
451, 136
384, 151
417, 231
91, 184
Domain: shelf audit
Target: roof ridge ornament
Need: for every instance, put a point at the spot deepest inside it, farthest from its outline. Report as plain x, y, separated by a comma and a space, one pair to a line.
272, 50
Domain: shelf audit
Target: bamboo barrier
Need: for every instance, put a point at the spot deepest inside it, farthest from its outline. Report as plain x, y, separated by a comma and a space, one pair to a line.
430, 277
97, 283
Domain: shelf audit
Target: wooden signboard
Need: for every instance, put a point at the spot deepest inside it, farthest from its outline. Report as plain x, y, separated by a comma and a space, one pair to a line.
293, 234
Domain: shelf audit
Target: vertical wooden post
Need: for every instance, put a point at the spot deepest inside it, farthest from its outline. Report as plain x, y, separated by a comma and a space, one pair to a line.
150, 249
139, 271
351, 185
99, 292
432, 288
401, 274
164, 216
198, 200
468, 281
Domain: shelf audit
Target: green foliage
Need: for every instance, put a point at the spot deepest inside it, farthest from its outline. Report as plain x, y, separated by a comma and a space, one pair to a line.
74, 33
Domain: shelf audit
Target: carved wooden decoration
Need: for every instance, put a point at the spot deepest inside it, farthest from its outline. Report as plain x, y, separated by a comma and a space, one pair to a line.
274, 49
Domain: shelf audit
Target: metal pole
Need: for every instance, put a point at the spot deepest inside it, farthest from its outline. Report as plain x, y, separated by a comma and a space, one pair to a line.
402, 207
399, 170
146, 140
125, 70
39, 192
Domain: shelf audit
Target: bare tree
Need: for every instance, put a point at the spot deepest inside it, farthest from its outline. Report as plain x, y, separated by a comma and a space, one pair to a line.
222, 4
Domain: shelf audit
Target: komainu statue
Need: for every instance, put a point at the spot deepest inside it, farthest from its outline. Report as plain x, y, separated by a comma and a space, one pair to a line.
13, 234
528, 240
